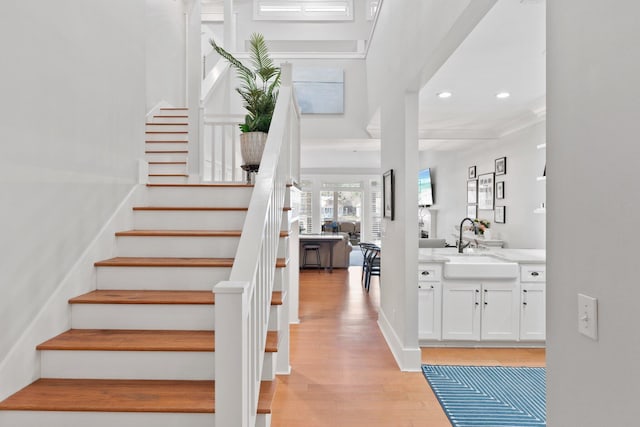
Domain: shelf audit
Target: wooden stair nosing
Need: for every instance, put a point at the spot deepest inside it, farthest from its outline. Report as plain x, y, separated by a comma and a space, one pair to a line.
166, 124
167, 163
177, 141
169, 175
131, 340
166, 152
199, 185
173, 262
103, 296
100, 395
165, 116
171, 132
173, 108
188, 208
185, 233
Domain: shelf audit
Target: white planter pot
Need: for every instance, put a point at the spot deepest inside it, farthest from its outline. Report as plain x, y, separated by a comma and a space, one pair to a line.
252, 145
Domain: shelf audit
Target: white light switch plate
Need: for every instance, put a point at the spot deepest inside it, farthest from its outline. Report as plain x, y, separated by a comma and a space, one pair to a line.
588, 316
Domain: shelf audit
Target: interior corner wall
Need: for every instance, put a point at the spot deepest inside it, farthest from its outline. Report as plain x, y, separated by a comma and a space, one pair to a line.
593, 65
72, 126
523, 191
164, 26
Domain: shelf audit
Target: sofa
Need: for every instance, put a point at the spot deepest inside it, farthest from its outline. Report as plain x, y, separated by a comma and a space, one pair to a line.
350, 227
341, 252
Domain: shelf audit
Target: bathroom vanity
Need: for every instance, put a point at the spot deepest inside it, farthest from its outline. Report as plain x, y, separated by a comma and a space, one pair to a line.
489, 298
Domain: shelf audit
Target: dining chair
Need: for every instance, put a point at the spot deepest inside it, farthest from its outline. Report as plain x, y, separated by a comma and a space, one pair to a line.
372, 265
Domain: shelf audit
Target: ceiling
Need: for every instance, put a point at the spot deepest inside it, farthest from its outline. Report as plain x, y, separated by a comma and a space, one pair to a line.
505, 52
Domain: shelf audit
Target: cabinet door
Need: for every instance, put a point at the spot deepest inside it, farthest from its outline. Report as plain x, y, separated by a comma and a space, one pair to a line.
533, 312
429, 309
461, 311
500, 311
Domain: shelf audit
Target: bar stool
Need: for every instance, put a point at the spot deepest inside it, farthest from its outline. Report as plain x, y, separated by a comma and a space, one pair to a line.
312, 248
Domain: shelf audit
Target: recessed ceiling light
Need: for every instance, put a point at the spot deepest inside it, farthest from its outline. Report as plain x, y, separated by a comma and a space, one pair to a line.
444, 95
502, 95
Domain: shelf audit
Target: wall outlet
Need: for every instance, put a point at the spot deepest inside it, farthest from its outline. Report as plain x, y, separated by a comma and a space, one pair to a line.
588, 316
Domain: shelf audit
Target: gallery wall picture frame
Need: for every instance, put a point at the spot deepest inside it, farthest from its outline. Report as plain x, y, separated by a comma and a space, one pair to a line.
501, 166
472, 211
472, 191
472, 172
485, 191
500, 190
387, 195
499, 215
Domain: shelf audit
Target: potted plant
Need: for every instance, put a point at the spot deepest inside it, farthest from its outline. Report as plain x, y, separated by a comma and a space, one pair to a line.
259, 91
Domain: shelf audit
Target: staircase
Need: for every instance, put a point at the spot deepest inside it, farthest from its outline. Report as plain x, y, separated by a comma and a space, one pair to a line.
141, 350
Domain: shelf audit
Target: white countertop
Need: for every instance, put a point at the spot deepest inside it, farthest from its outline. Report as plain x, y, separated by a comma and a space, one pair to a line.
524, 256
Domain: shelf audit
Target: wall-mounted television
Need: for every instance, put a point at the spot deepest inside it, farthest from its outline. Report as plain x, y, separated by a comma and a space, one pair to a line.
425, 188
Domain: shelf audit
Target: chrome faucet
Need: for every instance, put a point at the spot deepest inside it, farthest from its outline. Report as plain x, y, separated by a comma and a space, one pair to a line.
475, 229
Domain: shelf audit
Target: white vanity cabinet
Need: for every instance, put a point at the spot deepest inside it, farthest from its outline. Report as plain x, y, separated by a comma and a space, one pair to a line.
532, 302
429, 301
473, 311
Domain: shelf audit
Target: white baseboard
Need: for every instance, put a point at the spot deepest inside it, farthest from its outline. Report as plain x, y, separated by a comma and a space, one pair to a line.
21, 366
408, 359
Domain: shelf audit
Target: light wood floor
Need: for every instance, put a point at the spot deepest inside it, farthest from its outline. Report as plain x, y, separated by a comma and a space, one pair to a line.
343, 374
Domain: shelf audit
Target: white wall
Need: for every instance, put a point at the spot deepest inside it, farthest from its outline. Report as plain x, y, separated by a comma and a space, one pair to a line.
73, 110
165, 58
523, 192
593, 65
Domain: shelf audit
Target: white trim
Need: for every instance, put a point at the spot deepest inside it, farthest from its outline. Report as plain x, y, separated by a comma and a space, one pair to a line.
156, 109
408, 359
21, 366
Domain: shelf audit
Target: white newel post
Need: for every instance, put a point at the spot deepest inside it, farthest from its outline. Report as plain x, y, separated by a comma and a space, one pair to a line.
232, 353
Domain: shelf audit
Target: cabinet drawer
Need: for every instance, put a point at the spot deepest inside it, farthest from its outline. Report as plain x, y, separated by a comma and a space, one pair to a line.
533, 273
429, 272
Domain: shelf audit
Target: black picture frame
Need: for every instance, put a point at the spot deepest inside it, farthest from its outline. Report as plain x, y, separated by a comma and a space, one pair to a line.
472, 172
501, 166
500, 190
499, 215
486, 191
387, 195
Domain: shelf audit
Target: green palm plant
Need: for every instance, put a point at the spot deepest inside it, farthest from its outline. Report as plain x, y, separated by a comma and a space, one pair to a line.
258, 87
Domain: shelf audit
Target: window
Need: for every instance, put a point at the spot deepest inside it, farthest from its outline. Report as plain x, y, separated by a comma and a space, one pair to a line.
375, 210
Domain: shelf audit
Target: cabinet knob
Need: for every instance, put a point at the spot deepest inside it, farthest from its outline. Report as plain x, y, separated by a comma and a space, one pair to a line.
535, 273
431, 286
425, 273
524, 303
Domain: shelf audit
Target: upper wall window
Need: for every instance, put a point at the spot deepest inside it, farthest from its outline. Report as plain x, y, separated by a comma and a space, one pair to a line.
303, 10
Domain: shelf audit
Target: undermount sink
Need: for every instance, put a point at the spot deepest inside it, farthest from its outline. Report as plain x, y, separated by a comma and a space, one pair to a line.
479, 267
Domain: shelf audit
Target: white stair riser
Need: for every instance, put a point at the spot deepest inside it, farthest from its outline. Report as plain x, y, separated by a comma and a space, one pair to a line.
177, 247
168, 179
106, 419
193, 317
166, 157
199, 196
166, 146
161, 278
173, 168
176, 127
166, 136
275, 318
143, 365
167, 118
188, 220
269, 366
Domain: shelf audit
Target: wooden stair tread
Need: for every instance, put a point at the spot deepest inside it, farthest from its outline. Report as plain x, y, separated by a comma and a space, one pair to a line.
199, 185
131, 340
168, 174
180, 141
164, 116
173, 262
186, 233
166, 152
187, 208
102, 296
99, 395
165, 262
173, 108
167, 124
167, 163
265, 397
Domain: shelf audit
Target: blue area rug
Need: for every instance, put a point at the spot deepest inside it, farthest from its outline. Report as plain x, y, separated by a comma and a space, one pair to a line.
355, 257
489, 395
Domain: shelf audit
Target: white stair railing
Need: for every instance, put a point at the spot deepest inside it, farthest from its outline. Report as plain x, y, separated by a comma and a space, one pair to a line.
220, 148
243, 302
